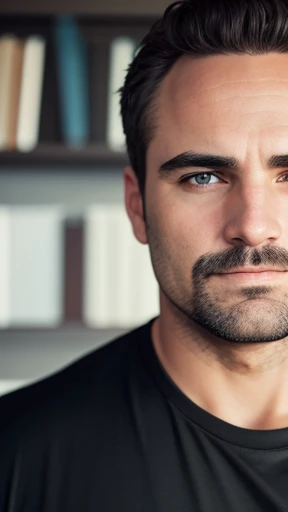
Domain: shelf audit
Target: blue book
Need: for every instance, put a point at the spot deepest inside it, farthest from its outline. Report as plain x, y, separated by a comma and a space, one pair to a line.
72, 71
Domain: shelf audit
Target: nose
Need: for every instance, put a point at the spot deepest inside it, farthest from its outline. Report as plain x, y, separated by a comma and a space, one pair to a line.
253, 216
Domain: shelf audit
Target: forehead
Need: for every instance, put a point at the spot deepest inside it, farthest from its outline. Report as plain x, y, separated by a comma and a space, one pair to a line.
219, 75
212, 96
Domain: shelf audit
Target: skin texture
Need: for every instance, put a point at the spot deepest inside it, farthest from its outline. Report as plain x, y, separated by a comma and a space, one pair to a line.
222, 340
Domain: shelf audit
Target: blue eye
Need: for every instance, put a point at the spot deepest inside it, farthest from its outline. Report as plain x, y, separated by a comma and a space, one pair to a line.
204, 179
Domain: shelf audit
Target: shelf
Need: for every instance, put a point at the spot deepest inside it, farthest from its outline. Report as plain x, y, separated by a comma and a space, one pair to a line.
68, 329
28, 354
109, 7
46, 154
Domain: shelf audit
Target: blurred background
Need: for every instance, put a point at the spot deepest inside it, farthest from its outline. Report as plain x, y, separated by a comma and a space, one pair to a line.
72, 276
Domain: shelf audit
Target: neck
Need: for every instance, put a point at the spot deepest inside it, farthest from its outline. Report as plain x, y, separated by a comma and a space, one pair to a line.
244, 385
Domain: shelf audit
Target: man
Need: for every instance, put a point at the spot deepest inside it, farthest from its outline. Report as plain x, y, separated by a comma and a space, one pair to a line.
188, 413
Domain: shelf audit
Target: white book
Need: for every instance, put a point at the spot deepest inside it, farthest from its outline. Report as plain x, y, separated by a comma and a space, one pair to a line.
7, 47
113, 267
126, 242
121, 55
149, 296
120, 276
5, 266
137, 287
105, 267
31, 93
120, 288
36, 259
145, 290
96, 307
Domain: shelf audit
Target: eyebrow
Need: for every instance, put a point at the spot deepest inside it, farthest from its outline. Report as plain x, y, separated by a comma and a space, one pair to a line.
190, 159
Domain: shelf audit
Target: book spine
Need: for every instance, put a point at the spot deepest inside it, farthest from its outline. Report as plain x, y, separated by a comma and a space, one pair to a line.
148, 292
36, 258
49, 127
121, 55
5, 268
117, 270
96, 268
73, 270
144, 293
15, 93
72, 71
7, 56
135, 287
120, 287
124, 244
30, 94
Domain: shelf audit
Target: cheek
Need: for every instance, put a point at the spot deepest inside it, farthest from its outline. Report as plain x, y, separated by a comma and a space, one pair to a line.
186, 226
179, 239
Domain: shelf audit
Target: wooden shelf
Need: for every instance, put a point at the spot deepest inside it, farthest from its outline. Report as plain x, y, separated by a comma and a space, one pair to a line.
46, 154
90, 7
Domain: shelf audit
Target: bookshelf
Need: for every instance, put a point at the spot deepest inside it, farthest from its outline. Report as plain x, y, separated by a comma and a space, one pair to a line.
122, 8
53, 170
98, 31
91, 156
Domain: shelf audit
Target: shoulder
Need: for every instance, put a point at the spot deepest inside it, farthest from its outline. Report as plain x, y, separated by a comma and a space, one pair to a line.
97, 376
68, 419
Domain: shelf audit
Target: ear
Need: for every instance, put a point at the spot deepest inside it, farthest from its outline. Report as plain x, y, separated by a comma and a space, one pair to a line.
134, 205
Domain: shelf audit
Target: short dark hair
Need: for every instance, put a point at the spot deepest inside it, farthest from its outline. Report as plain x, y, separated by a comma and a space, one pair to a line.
198, 28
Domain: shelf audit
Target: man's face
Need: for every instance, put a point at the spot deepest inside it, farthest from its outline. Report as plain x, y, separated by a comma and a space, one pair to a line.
229, 106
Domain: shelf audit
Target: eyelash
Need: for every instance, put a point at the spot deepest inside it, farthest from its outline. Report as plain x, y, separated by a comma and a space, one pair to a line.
185, 179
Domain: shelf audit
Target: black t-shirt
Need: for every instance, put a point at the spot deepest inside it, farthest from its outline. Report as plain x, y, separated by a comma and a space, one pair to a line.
113, 433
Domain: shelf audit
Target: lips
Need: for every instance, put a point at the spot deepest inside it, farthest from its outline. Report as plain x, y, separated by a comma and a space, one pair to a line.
253, 278
253, 271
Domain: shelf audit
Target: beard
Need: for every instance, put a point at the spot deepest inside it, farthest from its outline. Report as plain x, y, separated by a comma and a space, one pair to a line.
253, 314
254, 320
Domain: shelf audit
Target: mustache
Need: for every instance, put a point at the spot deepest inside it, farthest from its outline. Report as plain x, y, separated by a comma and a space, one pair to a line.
238, 257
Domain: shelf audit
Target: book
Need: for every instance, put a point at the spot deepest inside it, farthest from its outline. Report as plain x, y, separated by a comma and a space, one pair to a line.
36, 266
6, 58
120, 289
73, 270
146, 289
11, 57
30, 93
73, 84
15, 91
117, 268
49, 127
137, 289
5, 266
125, 278
96, 304
121, 54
